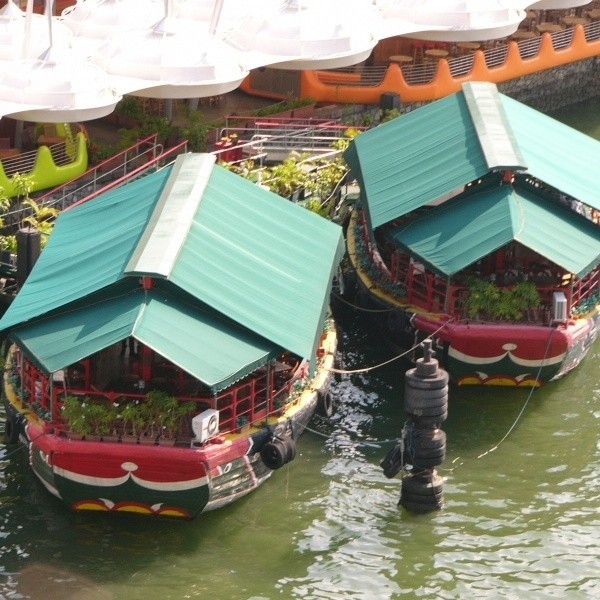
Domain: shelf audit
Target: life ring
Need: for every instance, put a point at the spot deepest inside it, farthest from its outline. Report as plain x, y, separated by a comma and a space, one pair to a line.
325, 404
12, 429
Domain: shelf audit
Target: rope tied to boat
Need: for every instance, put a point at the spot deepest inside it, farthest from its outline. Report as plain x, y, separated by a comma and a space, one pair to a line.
356, 307
386, 362
533, 388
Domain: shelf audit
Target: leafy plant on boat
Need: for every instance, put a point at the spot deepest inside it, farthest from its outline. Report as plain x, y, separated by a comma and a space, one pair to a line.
86, 416
41, 218
132, 419
486, 300
367, 266
162, 414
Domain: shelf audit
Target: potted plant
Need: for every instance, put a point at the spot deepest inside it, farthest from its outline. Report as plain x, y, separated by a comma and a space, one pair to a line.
288, 178
163, 415
131, 421
129, 112
73, 412
89, 418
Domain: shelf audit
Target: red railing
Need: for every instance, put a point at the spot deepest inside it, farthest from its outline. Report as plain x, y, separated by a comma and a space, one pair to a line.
428, 291
251, 400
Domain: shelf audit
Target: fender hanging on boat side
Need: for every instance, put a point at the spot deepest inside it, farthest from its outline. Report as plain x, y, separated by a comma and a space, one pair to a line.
278, 452
12, 428
325, 404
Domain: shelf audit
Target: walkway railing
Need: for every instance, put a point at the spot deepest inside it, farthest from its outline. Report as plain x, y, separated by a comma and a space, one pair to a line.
430, 81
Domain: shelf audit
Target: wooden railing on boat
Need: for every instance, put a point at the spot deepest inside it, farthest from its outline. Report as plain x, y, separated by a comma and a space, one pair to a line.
430, 292
251, 400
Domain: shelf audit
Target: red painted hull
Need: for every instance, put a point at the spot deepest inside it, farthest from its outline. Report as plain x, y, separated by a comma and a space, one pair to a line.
509, 354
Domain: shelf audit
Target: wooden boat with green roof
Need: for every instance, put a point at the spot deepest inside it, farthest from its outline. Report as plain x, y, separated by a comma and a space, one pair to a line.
172, 342
479, 226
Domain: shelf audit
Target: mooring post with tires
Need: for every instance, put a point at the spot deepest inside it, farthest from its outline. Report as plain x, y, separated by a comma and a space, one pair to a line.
423, 443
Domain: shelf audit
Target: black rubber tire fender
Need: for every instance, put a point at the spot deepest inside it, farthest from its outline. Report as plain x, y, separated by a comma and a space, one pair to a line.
274, 454
426, 439
427, 462
12, 428
427, 410
428, 485
431, 421
325, 404
426, 383
420, 507
421, 394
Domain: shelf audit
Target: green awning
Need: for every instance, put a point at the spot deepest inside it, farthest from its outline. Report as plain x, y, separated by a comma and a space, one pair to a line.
416, 158
253, 256
248, 254
88, 249
431, 153
466, 229
200, 341
557, 154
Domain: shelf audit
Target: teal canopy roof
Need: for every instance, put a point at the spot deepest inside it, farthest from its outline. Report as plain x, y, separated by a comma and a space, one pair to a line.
172, 327
260, 266
466, 229
433, 152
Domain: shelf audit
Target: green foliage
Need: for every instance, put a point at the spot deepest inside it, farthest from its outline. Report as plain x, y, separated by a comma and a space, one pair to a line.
163, 413
314, 205
389, 115
98, 152
280, 107
4, 202
8, 243
132, 418
41, 218
367, 266
287, 177
158, 414
23, 184
196, 134
131, 107
86, 416
486, 300
587, 305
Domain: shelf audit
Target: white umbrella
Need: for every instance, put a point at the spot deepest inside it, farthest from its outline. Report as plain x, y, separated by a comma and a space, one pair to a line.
557, 4
310, 34
456, 20
92, 22
55, 90
21, 37
55, 86
176, 58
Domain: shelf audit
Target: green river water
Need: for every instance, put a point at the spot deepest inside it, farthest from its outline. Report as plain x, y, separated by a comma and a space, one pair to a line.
521, 516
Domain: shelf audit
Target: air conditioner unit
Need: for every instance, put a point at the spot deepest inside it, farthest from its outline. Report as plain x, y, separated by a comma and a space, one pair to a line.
205, 425
559, 307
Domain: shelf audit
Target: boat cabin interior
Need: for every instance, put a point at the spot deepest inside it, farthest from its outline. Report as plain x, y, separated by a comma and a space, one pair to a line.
127, 371
509, 266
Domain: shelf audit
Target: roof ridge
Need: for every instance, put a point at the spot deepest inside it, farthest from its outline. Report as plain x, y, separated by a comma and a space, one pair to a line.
498, 142
168, 227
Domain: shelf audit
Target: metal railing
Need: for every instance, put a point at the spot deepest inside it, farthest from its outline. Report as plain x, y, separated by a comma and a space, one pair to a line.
275, 139
460, 66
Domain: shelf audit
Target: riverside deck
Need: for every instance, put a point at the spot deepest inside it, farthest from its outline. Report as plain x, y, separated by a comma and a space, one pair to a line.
433, 80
